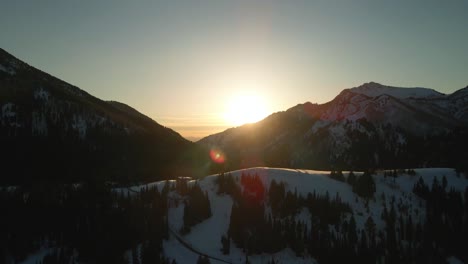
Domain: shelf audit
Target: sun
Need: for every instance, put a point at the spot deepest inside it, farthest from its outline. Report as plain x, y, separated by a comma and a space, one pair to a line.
245, 108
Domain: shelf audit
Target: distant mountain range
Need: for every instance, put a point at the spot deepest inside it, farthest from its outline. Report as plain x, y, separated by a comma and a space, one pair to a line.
370, 126
52, 130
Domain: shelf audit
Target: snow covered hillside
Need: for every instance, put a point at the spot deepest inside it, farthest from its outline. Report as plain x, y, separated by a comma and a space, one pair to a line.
393, 194
369, 126
373, 89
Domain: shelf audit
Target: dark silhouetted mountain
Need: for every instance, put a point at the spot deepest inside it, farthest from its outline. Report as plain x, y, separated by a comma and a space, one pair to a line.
370, 126
52, 130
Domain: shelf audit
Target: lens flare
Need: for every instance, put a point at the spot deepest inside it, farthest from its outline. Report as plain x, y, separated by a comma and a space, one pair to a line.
217, 155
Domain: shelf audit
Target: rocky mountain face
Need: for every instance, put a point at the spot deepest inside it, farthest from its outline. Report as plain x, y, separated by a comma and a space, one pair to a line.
52, 130
370, 126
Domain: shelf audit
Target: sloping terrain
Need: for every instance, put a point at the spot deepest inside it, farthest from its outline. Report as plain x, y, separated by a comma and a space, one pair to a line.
51, 130
395, 195
259, 215
370, 126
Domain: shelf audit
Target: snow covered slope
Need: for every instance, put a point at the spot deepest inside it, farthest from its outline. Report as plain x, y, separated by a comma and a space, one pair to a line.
372, 125
373, 89
205, 237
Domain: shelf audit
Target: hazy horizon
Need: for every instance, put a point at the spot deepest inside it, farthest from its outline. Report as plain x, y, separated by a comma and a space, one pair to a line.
192, 66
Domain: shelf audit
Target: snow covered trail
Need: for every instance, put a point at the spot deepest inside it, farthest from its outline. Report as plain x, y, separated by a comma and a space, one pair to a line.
191, 248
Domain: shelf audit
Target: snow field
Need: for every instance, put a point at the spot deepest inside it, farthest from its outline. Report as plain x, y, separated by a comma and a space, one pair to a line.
206, 236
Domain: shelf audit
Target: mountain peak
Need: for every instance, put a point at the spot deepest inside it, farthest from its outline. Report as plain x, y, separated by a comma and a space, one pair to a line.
371, 85
373, 89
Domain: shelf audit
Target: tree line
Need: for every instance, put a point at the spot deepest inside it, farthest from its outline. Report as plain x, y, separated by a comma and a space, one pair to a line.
86, 223
333, 236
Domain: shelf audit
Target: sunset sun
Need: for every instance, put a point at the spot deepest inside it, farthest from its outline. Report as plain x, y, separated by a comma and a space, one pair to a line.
245, 108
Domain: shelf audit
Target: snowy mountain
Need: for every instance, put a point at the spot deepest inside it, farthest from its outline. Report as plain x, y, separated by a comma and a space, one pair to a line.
367, 126
51, 130
373, 89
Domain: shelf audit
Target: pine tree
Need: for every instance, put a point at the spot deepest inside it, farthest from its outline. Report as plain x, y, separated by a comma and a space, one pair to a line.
364, 186
370, 229
226, 245
135, 256
352, 233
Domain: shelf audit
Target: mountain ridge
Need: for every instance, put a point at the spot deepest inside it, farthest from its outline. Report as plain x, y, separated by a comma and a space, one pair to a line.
371, 125
373, 89
53, 130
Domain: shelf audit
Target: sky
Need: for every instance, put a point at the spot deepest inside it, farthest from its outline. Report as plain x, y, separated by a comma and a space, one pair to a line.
190, 64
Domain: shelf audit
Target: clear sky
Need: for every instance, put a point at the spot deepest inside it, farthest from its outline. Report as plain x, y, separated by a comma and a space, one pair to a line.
182, 62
